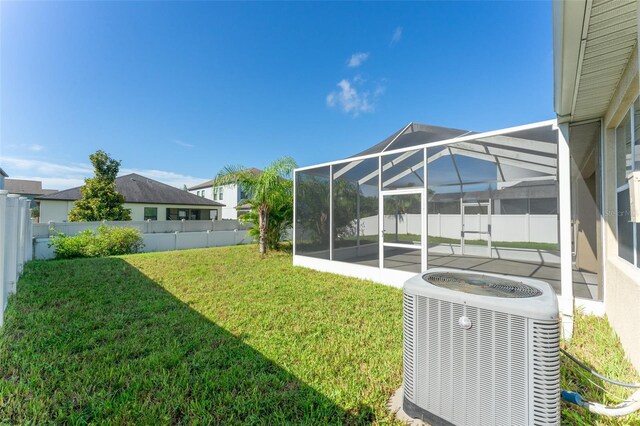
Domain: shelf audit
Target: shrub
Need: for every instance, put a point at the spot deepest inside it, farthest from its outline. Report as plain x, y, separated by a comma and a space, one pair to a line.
107, 241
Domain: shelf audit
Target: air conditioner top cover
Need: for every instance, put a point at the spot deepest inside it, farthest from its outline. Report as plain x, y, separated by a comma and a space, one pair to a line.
522, 296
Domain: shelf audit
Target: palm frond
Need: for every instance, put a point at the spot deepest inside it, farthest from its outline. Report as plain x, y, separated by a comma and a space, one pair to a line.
236, 175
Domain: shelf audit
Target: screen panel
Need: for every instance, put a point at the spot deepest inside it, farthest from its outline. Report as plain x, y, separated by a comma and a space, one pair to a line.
312, 236
355, 212
403, 170
492, 205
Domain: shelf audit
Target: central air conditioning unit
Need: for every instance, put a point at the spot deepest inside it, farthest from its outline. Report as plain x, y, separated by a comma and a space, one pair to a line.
481, 349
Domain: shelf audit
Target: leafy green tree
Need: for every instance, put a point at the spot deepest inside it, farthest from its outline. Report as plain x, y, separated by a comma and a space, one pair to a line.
100, 200
270, 197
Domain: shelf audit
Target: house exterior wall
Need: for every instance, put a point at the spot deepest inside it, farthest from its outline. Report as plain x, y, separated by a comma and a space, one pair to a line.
231, 197
622, 279
54, 211
58, 211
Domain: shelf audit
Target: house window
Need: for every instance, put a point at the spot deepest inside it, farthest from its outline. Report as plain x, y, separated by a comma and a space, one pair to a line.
221, 193
543, 206
213, 214
187, 214
215, 194
514, 206
176, 214
150, 213
627, 159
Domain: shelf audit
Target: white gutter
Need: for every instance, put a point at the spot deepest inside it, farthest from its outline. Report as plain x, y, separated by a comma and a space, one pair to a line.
568, 28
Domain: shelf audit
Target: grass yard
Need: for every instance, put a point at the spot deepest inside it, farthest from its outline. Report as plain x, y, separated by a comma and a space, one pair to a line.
415, 239
217, 336
595, 343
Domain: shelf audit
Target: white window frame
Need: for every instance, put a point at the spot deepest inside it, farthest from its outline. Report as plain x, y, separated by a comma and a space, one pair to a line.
625, 186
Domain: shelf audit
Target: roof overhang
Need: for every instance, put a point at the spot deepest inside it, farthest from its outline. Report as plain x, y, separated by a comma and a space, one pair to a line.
593, 41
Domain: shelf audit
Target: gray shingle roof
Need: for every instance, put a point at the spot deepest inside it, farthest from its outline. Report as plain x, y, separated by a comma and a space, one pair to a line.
26, 187
139, 189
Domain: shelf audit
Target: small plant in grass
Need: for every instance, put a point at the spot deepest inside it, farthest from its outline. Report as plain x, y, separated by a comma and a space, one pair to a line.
107, 241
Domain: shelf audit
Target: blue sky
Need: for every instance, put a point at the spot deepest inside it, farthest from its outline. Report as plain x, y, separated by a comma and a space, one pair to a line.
178, 90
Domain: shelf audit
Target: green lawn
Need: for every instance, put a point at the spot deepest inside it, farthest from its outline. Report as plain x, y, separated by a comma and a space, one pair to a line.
212, 336
595, 343
413, 238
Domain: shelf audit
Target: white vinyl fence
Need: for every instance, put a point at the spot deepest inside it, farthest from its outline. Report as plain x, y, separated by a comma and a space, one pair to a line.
504, 227
41, 230
156, 236
15, 243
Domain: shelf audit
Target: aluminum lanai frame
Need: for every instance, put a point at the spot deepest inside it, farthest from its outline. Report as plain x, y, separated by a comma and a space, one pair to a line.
503, 150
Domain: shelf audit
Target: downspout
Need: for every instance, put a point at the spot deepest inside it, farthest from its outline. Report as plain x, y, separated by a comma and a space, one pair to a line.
564, 230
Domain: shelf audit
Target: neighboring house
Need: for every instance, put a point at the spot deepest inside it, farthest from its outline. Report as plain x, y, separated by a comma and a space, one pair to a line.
27, 188
231, 195
598, 112
147, 199
3, 175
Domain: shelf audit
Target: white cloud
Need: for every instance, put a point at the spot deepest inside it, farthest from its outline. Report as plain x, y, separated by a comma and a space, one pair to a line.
181, 143
63, 176
43, 168
357, 59
379, 90
34, 147
349, 100
397, 35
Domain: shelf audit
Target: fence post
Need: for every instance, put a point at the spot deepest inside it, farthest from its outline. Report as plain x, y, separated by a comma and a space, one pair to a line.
11, 247
22, 232
29, 248
3, 254
20, 244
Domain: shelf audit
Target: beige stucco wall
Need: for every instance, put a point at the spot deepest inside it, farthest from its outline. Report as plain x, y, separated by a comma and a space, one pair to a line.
54, 211
622, 280
58, 211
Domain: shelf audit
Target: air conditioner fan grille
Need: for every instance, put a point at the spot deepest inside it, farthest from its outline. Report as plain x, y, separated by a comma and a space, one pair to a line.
480, 284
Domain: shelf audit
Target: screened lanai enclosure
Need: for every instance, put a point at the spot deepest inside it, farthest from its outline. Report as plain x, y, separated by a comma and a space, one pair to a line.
436, 197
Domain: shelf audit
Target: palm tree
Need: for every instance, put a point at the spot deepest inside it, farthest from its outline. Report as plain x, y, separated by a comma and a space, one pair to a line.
270, 190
